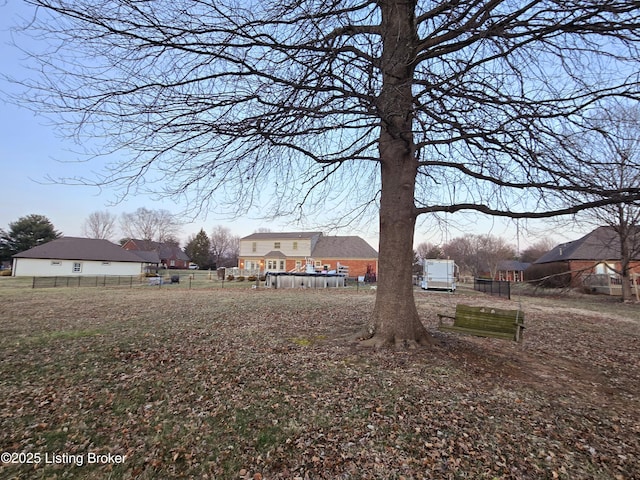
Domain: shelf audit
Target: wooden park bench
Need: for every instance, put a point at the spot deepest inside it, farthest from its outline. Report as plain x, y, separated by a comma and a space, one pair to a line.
485, 322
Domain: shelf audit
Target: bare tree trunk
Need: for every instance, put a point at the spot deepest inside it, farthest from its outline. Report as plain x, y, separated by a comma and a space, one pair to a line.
396, 320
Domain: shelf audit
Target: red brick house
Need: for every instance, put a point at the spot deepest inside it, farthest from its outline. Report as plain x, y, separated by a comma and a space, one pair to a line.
171, 256
597, 253
291, 251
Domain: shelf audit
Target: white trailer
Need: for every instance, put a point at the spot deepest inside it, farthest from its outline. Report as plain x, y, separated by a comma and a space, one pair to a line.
439, 275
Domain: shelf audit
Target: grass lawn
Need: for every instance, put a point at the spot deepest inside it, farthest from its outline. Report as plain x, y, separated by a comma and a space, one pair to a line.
229, 383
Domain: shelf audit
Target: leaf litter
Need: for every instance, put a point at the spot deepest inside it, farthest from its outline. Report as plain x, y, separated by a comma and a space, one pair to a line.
265, 384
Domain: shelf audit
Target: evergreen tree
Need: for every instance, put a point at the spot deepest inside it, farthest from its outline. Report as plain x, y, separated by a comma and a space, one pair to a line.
197, 249
25, 233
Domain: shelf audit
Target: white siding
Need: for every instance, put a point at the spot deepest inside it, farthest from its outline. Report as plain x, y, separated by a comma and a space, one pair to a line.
286, 247
33, 267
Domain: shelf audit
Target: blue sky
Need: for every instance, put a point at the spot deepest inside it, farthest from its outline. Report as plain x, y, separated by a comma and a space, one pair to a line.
30, 151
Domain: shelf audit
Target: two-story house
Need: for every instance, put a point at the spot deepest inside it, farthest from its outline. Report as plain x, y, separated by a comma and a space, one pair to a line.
292, 251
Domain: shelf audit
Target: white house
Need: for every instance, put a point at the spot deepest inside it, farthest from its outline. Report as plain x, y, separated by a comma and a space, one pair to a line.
74, 256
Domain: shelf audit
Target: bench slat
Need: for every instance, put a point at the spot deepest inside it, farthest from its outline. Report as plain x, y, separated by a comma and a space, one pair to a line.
485, 322
477, 333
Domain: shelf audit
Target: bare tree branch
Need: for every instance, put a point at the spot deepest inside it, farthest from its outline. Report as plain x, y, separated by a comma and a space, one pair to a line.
410, 106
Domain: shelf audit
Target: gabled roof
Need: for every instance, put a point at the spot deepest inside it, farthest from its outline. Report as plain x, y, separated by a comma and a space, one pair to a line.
513, 266
343, 247
165, 250
76, 248
274, 254
148, 257
601, 244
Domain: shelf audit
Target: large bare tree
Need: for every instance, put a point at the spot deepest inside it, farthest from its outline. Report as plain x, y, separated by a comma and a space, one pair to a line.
153, 225
479, 254
400, 107
609, 145
426, 250
100, 224
536, 250
224, 247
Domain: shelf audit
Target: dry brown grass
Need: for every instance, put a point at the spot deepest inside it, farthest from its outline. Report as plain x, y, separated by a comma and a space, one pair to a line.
242, 383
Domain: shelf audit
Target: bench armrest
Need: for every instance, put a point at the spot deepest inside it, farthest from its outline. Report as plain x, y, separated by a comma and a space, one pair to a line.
442, 315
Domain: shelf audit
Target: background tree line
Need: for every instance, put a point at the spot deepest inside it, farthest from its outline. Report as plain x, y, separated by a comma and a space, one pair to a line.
220, 248
394, 108
479, 255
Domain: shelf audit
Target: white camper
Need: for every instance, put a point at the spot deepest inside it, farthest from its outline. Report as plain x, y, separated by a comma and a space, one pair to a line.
439, 275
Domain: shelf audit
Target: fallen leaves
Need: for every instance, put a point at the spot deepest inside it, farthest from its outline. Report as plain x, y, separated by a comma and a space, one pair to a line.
224, 384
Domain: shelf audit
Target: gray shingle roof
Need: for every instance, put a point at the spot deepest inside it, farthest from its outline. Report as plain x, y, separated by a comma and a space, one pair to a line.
148, 257
275, 254
601, 244
513, 266
76, 248
343, 247
165, 250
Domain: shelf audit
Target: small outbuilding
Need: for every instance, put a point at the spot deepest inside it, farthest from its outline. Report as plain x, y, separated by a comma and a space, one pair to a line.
511, 270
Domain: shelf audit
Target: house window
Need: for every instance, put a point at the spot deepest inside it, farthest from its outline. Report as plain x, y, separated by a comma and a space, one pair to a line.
56, 263
298, 264
254, 246
252, 265
77, 267
172, 263
273, 264
276, 245
318, 263
605, 269
295, 245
